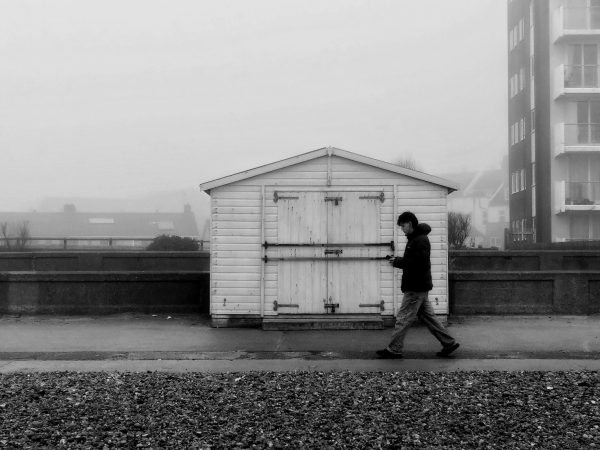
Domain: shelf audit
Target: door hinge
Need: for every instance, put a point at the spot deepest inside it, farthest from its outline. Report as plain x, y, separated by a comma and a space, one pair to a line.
336, 252
277, 197
380, 305
277, 305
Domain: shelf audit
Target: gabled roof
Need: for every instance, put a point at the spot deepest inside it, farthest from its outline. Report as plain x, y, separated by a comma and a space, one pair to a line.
480, 184
327, 151
499, 198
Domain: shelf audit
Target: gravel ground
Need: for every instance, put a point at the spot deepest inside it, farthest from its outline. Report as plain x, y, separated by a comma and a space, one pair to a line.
301, 410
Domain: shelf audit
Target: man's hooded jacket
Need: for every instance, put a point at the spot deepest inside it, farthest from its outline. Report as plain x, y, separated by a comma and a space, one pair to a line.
416, 263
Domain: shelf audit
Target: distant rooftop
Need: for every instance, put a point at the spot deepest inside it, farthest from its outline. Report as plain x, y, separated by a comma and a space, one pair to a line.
72, 223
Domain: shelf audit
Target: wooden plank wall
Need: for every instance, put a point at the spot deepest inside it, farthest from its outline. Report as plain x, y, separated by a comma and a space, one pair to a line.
236, 230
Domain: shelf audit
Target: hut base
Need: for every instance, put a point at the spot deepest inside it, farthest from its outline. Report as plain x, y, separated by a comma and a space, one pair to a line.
323, 322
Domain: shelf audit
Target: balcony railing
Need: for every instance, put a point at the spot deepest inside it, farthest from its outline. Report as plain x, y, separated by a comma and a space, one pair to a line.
582, 18
576, 138
576, 21
582, 193
576, 80
581, 76
582, 134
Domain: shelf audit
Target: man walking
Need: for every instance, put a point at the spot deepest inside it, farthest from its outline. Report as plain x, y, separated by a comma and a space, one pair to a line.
416, 284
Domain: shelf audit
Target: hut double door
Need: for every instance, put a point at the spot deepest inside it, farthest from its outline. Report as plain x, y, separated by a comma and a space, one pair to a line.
328, 259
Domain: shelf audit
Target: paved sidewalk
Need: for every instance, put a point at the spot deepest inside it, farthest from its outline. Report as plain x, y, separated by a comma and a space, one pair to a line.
135, 342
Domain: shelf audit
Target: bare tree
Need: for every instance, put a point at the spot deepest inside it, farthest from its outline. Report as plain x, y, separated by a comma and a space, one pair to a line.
17, 233
408, 162
459, 228
23, 235
5, 236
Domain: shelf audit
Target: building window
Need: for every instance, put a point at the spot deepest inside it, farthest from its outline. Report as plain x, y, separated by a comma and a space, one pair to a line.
518, 181
581, 69
513, 135
101, 220
580, 228
522, 129
513, 37
514, 85
521, 30
585, 227
521, 79
595, 226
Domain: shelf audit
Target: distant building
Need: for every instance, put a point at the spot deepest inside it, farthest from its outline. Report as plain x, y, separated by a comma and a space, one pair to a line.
497, 222
554, 120
484, 197
92, 229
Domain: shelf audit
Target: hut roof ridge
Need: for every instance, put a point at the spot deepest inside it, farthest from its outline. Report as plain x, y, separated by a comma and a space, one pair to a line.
318, 153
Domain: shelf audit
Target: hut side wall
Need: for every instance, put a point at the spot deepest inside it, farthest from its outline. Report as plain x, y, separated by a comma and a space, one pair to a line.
237, 233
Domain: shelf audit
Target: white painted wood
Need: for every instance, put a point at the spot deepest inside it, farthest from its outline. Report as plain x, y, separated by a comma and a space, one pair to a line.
303, 283
262, 238
243, 218
395, 253
354, 220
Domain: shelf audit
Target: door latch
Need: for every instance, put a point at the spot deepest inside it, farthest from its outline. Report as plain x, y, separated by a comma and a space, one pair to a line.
335, 200
330, 306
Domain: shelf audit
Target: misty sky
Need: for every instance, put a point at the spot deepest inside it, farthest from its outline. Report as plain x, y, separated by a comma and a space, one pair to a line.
114, 98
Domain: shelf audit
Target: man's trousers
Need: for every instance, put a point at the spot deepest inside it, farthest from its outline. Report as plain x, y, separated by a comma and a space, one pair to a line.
416, 305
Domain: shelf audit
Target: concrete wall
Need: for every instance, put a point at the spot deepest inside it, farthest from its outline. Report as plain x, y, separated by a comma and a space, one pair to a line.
104, 282
524, 282
481, 282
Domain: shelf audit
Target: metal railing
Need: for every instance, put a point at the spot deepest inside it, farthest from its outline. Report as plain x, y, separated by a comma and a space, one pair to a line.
514, 238
582, 134
581, 76
582, 18
86, 242
582, 192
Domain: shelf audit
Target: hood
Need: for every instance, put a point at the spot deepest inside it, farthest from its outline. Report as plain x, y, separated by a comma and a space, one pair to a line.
422, 228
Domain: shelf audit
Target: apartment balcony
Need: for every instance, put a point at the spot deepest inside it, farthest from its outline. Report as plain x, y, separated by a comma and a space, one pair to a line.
576, 22
577, 196
576, 138
576, 82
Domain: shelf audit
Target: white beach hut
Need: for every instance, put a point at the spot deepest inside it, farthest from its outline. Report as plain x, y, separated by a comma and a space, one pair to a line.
302, 242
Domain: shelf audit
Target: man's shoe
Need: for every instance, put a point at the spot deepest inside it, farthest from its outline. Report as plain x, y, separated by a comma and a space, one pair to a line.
447, 350
386, 354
